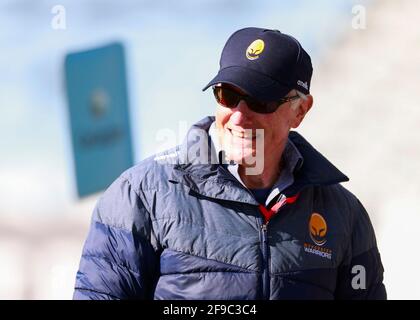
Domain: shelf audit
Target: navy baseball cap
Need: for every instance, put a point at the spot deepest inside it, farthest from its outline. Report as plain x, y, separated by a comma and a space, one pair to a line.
266, 64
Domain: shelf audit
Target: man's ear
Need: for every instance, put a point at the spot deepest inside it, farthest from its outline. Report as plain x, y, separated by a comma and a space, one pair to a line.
302, 110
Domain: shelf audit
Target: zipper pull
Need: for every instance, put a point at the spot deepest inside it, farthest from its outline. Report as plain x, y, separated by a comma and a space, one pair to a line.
264, 227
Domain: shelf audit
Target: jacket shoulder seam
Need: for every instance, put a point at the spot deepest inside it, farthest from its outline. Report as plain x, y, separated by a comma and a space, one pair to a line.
109, 261
191, 222
215, 260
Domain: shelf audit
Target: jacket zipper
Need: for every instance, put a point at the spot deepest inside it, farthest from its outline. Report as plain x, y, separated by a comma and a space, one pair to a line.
265, 247
266, 261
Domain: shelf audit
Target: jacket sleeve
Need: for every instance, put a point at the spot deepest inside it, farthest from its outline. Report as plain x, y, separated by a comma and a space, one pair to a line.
360, 276
118, 259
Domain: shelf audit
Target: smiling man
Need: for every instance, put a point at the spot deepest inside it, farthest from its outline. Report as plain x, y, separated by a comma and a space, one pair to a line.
243, 125
266, 218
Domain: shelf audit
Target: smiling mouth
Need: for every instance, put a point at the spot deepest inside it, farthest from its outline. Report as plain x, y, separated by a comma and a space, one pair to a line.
247, 134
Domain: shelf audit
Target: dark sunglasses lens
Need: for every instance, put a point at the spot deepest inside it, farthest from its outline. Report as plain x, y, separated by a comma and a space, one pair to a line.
230, 99
259, 107
226, 97
269, 107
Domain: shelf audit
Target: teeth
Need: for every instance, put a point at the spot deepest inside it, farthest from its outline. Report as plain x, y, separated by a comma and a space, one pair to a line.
241, 134
237, 134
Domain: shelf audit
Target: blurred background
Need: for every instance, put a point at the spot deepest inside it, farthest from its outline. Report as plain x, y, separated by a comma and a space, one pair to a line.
366, 74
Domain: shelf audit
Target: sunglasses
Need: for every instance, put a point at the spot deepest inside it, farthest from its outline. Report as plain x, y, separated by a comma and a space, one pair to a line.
229, 98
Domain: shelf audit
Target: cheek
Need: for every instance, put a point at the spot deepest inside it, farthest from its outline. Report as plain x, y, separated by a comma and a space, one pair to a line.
272, 136
222, 116
276, 128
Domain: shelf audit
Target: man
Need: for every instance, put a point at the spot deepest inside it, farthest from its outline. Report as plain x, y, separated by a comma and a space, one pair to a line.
244, 208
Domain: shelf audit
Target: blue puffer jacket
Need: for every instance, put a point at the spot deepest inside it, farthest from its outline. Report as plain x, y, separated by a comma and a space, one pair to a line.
175, 230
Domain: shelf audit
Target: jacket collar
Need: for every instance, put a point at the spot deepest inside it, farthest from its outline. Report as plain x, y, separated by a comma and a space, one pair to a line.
199, 169
315, 170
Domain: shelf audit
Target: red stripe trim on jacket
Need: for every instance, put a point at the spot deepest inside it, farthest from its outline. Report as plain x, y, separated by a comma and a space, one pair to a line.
269, 213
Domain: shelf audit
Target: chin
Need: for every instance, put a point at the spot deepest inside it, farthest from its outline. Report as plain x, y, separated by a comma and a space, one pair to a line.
241, 156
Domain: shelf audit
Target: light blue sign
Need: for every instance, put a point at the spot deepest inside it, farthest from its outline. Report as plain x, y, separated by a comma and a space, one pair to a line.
99, 116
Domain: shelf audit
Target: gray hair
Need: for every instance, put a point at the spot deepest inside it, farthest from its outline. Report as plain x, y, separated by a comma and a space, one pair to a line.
296, 103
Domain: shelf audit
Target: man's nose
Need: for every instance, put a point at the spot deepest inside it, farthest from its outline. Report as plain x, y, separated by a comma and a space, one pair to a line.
241, 113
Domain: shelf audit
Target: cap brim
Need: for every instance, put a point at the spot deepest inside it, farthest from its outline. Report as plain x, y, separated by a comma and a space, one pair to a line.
252, 82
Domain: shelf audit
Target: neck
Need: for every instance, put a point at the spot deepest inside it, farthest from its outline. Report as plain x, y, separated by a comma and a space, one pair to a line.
269, 175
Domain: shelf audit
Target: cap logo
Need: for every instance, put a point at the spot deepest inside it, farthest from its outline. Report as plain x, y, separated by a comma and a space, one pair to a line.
255, 49
318, 229
303, 84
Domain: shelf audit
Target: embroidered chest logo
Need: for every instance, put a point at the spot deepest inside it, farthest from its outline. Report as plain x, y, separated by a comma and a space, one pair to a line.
318, 233
318, 229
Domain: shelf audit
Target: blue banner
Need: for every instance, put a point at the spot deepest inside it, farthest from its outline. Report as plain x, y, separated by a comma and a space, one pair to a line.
99, 116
